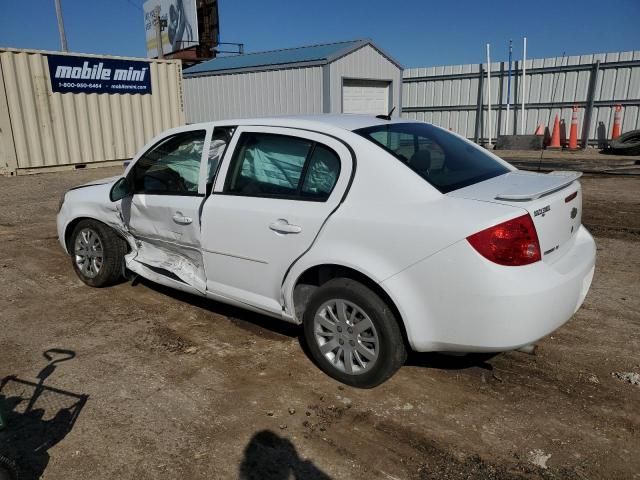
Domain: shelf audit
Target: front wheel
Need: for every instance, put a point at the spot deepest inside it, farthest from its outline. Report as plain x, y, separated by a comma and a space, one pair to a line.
97, 253
352, 334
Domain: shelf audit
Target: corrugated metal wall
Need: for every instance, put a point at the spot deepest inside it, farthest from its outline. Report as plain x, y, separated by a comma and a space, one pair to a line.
253, 94
45, 129
449, 96
365, 63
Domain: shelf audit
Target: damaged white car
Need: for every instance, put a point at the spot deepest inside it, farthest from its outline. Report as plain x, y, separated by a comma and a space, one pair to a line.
377, 235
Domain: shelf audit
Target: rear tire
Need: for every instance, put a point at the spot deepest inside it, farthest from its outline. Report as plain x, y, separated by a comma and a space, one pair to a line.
352, 334
97, 253
626, 144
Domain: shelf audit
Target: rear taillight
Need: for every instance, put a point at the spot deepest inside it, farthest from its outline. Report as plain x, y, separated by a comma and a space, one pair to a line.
512, 243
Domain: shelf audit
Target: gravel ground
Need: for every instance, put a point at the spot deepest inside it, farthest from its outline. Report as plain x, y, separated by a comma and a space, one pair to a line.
152, 383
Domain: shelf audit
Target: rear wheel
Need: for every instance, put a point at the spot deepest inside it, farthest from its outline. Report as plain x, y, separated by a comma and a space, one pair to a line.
626, 144
97, 253
352, 334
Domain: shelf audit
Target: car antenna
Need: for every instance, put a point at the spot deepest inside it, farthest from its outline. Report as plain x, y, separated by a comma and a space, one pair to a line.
386, 117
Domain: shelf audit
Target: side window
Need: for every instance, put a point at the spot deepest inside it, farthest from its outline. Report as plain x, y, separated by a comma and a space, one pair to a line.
322, 173
270, 165
172, 166
267, 165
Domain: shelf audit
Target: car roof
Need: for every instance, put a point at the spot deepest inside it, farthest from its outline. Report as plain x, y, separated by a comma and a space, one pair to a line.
343, 121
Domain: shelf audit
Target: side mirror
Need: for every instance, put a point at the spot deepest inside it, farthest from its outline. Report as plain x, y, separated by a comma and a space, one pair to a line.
120, 189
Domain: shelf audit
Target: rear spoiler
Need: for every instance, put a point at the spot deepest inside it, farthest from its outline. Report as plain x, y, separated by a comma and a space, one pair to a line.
561, 179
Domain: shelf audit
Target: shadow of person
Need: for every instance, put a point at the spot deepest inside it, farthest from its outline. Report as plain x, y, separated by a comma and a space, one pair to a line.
37, 417
29, 436
271, 457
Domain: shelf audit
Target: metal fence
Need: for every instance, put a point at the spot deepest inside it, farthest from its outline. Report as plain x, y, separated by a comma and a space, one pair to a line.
455, 96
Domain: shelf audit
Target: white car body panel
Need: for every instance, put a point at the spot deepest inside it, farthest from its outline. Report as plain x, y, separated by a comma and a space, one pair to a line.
467, 304
245, 257
163, 240
381, 220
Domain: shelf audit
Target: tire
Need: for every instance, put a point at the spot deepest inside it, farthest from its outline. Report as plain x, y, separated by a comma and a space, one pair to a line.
8, 470
333, 338
626, 144
96, 270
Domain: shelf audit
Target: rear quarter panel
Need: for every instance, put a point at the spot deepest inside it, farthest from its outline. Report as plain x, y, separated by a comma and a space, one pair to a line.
391, 219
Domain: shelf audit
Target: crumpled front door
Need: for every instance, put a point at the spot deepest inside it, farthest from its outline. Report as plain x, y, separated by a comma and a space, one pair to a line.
165, 230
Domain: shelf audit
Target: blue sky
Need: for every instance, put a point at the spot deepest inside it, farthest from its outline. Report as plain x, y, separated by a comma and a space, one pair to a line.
416, 32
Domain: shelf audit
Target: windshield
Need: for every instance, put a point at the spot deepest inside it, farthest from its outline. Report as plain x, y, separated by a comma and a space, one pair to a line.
442, 159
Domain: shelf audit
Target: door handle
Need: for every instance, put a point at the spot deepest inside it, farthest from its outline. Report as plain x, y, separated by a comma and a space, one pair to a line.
283, 226
181, 219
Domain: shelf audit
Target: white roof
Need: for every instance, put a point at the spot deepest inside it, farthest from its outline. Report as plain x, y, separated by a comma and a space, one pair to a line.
342, 121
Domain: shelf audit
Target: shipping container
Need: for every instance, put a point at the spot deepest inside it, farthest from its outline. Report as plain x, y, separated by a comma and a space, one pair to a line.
87, 112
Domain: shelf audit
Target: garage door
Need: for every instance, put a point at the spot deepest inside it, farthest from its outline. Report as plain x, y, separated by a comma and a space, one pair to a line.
369, 97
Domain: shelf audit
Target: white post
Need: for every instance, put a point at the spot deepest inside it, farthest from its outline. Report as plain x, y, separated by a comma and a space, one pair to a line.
489, 92
506, 128
524, 85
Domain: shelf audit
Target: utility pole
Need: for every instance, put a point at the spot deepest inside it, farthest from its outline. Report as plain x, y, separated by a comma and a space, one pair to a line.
63, 37
158, 25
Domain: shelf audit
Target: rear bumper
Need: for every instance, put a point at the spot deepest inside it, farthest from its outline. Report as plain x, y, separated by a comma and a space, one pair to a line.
456, 300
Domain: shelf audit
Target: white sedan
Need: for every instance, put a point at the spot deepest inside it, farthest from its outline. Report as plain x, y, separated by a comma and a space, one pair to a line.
377, 235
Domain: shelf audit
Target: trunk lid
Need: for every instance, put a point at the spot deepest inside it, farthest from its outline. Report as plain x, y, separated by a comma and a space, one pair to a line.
553, 200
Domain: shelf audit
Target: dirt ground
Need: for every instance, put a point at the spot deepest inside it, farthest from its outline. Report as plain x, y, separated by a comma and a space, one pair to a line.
159, 384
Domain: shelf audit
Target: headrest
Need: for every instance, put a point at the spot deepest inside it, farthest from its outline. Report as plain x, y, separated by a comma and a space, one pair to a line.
421, 160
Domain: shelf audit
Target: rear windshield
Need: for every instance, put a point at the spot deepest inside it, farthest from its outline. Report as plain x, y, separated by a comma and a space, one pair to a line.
442, 159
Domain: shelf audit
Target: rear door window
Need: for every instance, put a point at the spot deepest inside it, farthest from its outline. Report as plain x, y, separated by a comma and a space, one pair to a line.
281, 166
322, 173
441, 158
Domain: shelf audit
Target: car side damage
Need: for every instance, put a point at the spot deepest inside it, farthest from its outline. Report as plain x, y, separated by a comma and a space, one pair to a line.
148, 257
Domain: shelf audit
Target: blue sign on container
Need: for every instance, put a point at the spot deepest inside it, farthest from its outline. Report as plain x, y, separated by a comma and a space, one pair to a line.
73, 74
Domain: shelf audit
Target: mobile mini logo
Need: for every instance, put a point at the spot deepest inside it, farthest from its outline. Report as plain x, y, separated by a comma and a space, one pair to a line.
99, 72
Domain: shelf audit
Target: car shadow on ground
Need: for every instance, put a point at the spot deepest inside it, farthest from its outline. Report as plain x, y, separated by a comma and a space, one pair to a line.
443, 361
265, 326
257, 323
269, 456
36, 417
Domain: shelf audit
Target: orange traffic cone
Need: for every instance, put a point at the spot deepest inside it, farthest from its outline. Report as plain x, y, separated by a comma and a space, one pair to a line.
617, 120
555, 136
540, 129
573, 133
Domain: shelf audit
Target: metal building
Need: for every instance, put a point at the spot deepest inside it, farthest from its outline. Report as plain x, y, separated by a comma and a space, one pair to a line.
343, 77
456, 97
61, 110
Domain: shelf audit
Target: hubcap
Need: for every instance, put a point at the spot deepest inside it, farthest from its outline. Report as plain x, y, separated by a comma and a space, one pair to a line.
346, 336
88, 252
